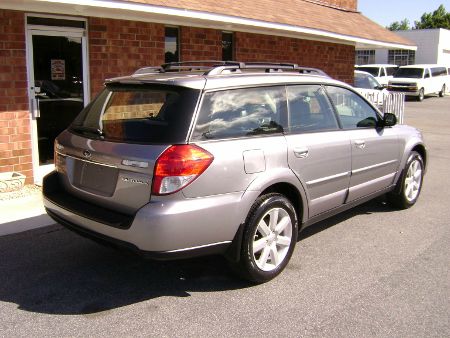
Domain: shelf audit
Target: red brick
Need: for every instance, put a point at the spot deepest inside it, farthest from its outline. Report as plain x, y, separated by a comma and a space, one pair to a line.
25, 166
6, 168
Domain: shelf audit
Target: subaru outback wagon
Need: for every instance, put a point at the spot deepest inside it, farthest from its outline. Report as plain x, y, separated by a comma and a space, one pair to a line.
226, 158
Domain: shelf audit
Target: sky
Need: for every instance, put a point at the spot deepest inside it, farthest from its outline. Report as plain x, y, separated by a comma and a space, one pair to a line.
385, 12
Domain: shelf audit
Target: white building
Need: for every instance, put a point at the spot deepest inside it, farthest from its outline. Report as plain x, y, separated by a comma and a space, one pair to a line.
433, 46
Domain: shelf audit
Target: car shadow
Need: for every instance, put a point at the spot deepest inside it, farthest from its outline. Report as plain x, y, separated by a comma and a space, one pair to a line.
378, 205
54, 271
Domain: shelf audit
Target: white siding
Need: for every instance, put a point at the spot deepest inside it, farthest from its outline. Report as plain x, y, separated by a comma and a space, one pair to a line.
427, 41
433, 46
444, 48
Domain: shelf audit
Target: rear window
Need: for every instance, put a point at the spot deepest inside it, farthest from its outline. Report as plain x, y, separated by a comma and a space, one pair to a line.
139, 114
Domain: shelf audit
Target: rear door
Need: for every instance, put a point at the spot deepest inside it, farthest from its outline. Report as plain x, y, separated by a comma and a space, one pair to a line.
108, 154
375, 151
318, 151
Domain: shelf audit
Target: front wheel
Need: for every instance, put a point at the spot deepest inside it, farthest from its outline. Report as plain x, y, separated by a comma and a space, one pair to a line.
269, 239
421, 95
409, 184
442, 92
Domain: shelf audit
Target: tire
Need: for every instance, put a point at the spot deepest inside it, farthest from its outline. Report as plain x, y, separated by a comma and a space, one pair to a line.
442, 92
410, 183
269, 239
421, 95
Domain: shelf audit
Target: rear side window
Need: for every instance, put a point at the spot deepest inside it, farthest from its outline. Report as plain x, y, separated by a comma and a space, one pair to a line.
139, 114
241, 113
309, 109
353, 111
438, 71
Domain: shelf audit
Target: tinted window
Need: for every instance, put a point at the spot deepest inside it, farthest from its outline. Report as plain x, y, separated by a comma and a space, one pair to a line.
371, 70
227, 46
138, 114
241, 112
414, 73
171, 50
353, 111
382, 72
427, 73
438, 71
309, 109
391, 71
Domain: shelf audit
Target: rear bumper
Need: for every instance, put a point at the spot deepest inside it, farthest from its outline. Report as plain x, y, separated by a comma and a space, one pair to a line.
165, 228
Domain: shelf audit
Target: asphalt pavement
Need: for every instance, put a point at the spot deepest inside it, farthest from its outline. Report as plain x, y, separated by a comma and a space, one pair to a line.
369, 272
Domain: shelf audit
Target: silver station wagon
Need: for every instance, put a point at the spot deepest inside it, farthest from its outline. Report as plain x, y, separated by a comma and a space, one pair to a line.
226, 158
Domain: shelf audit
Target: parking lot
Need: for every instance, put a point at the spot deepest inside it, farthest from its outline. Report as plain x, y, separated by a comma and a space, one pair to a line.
372, 271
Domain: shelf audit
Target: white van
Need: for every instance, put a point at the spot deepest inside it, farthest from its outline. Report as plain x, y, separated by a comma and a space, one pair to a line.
381, 72
420, 80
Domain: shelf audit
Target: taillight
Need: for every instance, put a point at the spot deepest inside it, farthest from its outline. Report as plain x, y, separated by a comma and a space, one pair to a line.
178, 166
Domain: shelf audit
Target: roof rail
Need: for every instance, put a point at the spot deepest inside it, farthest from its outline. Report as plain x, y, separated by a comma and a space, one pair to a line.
213, 67
147, 70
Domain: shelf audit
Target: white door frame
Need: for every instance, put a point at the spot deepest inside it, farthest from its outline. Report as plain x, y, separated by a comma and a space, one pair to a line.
32, 30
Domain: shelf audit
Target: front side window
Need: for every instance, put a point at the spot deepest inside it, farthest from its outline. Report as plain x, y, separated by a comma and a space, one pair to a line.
353, 111
171, 45
309, 109
241, 112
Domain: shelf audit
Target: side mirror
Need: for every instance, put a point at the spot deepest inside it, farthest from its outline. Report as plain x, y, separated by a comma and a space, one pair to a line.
389, 120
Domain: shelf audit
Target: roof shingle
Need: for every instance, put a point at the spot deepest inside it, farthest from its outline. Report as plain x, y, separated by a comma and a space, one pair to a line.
300, 13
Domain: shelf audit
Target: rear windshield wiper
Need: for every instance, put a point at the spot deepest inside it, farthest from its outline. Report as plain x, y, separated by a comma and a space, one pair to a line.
91, 130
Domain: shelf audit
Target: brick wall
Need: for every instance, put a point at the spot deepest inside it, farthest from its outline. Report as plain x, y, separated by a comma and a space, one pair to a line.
336, 60
15, 133
119, 47
200, 44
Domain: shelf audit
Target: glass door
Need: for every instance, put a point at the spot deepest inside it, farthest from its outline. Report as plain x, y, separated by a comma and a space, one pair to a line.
57, 89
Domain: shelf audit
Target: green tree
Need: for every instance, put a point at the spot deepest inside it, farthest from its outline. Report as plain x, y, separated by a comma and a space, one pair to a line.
399, 26
440, 18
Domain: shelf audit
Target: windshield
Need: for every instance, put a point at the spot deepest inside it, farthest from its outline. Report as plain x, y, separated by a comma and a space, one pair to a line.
415, 73
371, 70
138, 114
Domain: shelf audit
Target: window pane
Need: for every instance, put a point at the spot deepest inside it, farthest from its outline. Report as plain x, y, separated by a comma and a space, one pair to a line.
139, 114
241, 112
353, 111
171, 45
227, 46
309, 109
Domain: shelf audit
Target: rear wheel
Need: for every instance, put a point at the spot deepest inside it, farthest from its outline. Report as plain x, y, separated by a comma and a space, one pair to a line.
442, 92
410, 184
269, 239
421, 95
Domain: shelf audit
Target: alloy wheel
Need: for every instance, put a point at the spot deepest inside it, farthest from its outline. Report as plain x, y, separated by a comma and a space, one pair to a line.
413, 180
272, 239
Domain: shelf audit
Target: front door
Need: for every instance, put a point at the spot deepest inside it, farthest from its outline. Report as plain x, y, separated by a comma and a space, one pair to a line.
57, 87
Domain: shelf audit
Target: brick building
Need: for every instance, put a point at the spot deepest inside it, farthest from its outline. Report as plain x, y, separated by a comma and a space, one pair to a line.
55, 54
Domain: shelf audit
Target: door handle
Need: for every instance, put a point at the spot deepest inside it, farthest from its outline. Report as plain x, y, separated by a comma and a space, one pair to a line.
301, 152
361, 144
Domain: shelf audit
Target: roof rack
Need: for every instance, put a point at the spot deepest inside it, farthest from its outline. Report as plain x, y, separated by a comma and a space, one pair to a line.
211, 67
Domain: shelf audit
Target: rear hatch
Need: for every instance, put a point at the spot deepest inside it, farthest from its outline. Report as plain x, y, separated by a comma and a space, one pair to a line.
107, 156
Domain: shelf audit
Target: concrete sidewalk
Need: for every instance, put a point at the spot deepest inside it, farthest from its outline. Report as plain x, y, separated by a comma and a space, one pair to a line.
22, 213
